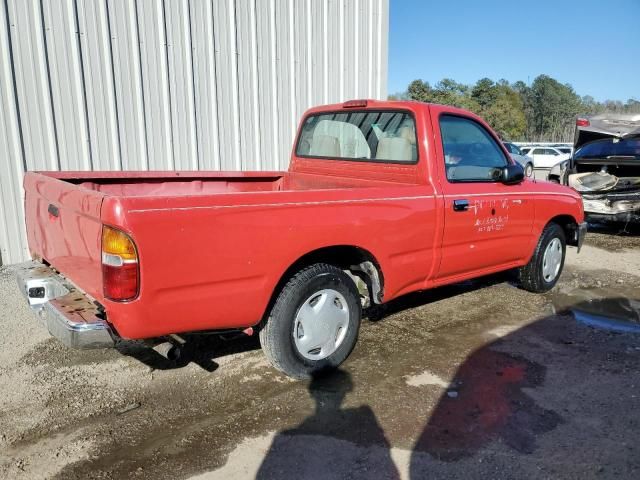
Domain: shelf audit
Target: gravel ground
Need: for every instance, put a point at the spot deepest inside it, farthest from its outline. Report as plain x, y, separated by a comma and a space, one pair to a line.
478, 380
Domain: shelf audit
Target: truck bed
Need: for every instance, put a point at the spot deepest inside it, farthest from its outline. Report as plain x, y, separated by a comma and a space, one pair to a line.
144, 184
241, 226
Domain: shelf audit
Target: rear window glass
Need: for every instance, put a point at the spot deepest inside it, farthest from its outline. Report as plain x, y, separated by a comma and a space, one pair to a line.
384, 136
610, 147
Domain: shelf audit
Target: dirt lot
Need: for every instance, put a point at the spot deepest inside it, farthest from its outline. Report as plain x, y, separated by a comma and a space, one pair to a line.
478, 380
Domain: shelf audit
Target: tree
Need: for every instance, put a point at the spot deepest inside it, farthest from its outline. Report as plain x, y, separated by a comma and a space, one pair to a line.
484, 92
632, 106
420, 91
501, 106
544, 111
554, 107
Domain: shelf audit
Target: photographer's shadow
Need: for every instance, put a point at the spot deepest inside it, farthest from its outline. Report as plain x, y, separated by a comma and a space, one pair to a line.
332, 441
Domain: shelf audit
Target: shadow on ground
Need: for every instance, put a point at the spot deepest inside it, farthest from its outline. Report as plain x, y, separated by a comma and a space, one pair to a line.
613, 236
492, 404
201, 350
300, 452
425, 297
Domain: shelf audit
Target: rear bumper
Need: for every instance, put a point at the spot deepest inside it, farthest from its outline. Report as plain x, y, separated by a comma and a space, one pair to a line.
70, 316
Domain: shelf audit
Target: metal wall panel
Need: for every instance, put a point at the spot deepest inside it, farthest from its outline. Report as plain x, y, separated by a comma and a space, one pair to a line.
171, 84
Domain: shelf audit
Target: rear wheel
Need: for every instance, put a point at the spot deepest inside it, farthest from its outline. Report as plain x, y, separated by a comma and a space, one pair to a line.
313, 325
543, 270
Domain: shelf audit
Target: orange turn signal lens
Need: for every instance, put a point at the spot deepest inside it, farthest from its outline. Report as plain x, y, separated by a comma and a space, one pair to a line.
120, 272
115, 242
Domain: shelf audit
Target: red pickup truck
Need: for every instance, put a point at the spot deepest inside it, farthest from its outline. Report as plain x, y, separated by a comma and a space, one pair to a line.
381, 199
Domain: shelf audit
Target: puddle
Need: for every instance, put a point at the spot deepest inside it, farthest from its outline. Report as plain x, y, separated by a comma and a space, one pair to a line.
611, 309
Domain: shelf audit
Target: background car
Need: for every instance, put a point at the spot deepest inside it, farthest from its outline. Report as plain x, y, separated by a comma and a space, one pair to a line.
564, 149
557, 172
521, 158
545, 157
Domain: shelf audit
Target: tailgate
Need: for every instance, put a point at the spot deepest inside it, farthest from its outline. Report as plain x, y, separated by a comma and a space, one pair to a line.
64, 227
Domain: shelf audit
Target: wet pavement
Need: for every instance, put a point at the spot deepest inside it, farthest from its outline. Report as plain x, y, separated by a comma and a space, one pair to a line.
477, 380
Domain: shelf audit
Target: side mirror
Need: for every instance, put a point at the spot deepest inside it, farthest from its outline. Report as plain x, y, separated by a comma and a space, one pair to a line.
512, 174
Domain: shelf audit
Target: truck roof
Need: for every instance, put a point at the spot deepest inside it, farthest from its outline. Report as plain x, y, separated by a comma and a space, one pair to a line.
369, 103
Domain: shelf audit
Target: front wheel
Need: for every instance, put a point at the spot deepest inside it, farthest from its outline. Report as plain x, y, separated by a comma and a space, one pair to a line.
544, 269
313, 325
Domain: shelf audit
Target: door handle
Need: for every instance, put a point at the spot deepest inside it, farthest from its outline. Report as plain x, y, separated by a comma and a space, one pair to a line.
460, 205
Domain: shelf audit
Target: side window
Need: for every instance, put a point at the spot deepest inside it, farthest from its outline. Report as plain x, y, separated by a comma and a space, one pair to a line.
538, 151
551, 151
470, 152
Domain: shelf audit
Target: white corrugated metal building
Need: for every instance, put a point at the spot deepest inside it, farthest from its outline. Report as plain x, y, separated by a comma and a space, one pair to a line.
171, 84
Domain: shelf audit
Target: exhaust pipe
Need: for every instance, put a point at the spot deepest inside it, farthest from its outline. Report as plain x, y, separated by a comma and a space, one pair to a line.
169, 350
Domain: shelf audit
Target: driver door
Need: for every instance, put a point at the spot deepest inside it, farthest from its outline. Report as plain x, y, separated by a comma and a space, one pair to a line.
487, 223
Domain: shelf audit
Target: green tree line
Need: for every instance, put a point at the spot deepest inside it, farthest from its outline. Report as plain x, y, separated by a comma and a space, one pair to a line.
545, 111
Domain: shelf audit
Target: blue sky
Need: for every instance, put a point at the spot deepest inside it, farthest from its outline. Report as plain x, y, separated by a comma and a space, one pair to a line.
594, 45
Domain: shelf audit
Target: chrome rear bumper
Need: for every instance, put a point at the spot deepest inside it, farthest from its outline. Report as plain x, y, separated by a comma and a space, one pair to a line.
70, 316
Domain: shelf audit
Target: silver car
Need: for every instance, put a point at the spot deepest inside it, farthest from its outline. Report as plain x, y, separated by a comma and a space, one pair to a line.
521, 158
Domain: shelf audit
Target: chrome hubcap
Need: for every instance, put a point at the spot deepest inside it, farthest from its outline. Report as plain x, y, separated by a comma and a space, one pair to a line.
321, 324
552, 260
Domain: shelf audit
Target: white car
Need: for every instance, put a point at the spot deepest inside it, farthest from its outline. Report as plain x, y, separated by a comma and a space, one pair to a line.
521, 158
564, 149
545, 157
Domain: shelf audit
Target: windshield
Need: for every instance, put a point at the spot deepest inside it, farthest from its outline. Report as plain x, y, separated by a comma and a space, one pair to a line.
610, 147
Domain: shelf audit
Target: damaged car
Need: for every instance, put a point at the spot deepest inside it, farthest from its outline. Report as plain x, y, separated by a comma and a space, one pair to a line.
605, 167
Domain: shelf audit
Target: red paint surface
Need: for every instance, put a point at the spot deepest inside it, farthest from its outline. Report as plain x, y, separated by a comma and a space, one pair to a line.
213, 245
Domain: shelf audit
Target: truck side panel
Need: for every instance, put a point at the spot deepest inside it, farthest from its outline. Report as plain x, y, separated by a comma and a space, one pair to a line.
216, 266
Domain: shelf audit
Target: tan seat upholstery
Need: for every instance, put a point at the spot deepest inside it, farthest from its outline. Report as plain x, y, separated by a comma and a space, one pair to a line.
324, 146
394, 148
409, 134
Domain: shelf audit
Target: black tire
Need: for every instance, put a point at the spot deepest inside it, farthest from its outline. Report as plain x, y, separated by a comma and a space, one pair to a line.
531, 276
277, 336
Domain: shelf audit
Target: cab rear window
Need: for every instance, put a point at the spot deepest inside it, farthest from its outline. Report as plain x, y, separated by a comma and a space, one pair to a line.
375, 136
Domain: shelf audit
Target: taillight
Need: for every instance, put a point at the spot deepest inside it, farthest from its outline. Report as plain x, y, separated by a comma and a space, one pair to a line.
119, 265
582, 122
354, 103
